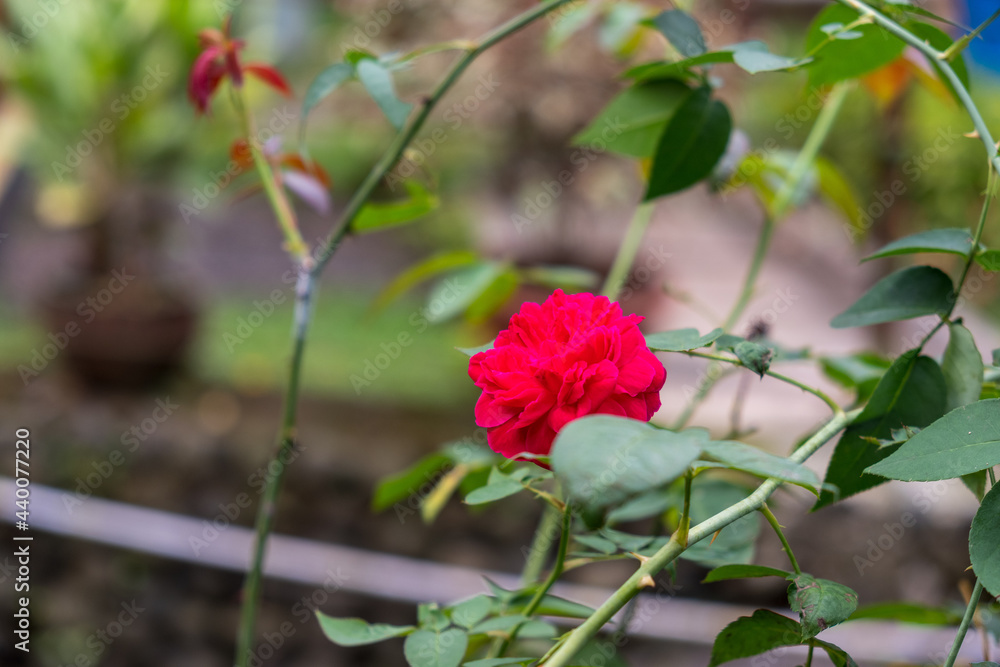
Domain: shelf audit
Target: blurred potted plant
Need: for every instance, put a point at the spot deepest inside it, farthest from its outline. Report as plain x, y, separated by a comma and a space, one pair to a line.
103, 84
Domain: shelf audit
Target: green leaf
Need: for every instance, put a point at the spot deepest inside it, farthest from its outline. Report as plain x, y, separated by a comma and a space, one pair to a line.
848, 59
755, 62
836, 189
602, 460
820, 603
681, 31
634, 120
401, 486
965, 440
642, 506
377, 216
837, 655
597, 543
989, 260
860, 372
912, 292
690, 146
680, 68
433, 502
552, 605
470, 612
325, 83
425, 648
535, 629
496, 294
748, 636
418, 273
377, 80
499, 486
473, 351
906, 612
962, 367
453, 294
727, 572
954, 241
498, 662
754, 356
358, 632
735, 542
911, 393
741, 456
564, 277
984, 542
503, 624
976, 482
681, 340
431, 617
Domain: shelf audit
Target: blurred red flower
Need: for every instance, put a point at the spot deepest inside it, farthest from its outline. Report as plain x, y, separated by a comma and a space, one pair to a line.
218, 59
574, 355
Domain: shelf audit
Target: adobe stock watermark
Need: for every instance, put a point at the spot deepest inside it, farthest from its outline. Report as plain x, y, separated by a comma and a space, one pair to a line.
279, 121
32, 24
99, 641
892, 533
130, 440
88, 309
534, 205
229, 512
121, 108
456, 115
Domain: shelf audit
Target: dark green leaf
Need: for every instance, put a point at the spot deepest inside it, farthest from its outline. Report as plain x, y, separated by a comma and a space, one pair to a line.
416, 274
837, 655
496, 294
905, 612
820, 603
503, 624
984, 542
470, 612
597, 543
911, 292
954, 241
911, 393
860, 372
690, 146
680, 68
755, 62
602, 460
535, 629
401, 486
748, 636
644, 505
962, 367
552, 605
727, 572
325, 83
848, 59
425, 648
377, 80
964, 441
377, 216
741, 456
357, 632
681, 31
754, 356
735, 542
633, 121
681, 340
976, 482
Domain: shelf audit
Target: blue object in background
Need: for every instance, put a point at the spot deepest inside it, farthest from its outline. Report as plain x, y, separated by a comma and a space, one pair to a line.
984, 51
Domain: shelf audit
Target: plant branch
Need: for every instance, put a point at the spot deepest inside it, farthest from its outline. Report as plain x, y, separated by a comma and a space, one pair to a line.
946, 69
416, 122
963, 628
627, 251
669, 552
771, 519
541, 544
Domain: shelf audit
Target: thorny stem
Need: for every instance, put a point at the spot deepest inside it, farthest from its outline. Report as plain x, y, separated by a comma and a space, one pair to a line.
771, 519
669, 552
309, 272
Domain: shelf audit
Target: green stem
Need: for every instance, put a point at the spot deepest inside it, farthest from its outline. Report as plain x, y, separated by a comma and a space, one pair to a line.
627, 250
684, 528
777, 376
590, 627
946, 69
286, 444
499, 648
977, 237
959, 45
963, 627
782, 200
416, 122
809, 656
540, 545
766, 511
309, 272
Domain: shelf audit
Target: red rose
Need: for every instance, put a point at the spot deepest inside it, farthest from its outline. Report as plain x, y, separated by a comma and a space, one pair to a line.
574, 355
